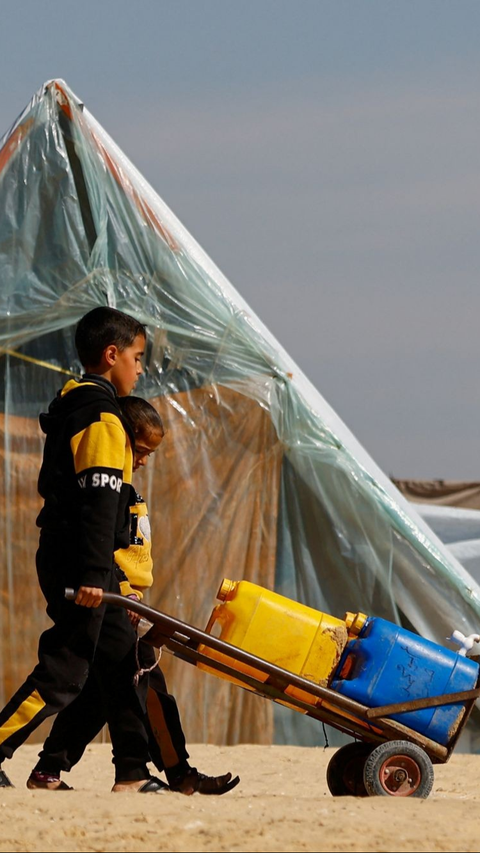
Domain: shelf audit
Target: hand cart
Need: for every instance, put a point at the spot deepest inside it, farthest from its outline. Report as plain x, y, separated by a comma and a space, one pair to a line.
387, 758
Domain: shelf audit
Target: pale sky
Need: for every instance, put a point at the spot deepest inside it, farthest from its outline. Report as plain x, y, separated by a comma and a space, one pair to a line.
326, 155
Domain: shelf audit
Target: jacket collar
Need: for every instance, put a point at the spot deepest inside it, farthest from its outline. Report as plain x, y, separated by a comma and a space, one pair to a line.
100, 380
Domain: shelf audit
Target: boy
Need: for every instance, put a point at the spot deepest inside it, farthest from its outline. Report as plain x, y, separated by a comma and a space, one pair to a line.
78, 724
85, 482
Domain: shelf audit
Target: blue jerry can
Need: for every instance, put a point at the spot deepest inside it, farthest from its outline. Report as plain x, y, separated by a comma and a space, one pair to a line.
386, 664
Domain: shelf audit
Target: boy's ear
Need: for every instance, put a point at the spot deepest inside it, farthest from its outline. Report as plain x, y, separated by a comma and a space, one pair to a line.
110, 354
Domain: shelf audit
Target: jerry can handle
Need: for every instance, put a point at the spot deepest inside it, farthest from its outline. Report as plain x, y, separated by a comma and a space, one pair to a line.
213, 618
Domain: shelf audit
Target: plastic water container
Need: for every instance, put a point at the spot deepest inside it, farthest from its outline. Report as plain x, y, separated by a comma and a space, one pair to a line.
288, 634
386, 664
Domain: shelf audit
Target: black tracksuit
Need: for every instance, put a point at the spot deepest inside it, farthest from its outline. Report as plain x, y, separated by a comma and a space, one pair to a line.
78, 724
85, 480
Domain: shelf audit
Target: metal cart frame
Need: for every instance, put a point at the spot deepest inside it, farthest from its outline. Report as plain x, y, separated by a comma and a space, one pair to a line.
386, 758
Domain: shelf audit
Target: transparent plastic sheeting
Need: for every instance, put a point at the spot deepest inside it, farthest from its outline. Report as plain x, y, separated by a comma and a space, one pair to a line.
257, 477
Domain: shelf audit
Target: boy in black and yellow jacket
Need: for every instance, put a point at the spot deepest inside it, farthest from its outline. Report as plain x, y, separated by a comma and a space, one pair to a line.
78, 724
85, 481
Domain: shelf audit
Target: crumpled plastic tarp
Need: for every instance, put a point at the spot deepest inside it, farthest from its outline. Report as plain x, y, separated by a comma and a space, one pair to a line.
258, 478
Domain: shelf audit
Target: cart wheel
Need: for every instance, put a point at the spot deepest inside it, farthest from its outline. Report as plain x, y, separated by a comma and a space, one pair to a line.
398, 768
345, 770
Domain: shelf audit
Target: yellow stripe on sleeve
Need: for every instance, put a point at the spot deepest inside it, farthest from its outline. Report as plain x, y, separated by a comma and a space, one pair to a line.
101, 445
22, 716
107, 418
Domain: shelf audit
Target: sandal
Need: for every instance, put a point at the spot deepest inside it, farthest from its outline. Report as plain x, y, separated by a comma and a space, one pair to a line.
47, 782
195, 782
153, 786
4, 780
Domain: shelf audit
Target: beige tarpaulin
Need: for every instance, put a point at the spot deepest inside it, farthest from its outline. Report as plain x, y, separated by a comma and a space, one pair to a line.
190, 556
444, 492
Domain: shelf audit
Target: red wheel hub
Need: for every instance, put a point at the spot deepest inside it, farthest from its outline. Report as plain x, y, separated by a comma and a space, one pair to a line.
400, 776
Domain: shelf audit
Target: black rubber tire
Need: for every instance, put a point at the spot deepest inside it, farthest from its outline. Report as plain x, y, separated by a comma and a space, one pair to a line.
398, 768
345, 770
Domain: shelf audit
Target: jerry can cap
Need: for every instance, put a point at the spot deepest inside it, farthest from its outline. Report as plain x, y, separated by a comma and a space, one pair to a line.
226, 590
355, 622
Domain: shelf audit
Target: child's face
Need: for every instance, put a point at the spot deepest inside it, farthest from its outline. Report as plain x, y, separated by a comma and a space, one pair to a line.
127, 367
145, 444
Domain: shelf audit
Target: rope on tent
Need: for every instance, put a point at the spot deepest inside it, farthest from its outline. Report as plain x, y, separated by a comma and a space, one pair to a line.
39, 362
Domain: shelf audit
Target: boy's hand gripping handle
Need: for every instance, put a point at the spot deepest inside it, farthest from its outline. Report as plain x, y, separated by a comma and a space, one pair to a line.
85, 595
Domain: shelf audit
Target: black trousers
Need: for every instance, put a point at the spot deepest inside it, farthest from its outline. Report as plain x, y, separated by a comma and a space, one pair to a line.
84, 718
82, 641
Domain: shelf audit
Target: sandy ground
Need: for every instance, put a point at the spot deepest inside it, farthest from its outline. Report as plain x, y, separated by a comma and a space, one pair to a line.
281, 804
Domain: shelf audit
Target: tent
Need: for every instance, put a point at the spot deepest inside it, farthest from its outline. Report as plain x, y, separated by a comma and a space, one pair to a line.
450, 493
258, 478
452, 509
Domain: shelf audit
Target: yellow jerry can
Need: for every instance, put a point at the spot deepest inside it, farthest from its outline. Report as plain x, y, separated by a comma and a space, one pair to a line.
288, 634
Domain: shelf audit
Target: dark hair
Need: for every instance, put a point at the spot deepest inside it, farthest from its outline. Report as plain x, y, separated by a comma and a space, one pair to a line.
141, 415
102, 327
